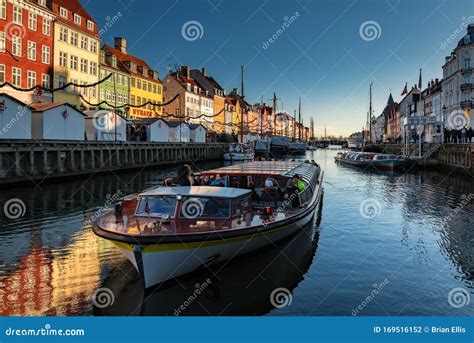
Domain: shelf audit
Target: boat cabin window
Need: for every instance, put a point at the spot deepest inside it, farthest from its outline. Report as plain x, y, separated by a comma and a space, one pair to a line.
156, 206
204, 207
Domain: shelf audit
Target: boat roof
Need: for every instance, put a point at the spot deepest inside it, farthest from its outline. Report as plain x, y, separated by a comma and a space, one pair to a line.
217, 192
267, 169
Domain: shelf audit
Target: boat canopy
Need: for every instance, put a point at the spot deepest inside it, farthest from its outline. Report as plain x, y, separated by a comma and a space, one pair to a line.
197, 191
263, 168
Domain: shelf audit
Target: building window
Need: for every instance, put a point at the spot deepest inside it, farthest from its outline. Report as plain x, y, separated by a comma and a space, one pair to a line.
31, 79
119, 98
132, 82
139, 83
77, 19
17, 15
125, 99
154, 89
62, 59
73, 64
2, 73
94, 46
74, 38
63, 12
32, 21
47, 27
93, 68
16, 77
108, 95
467, 63
159, 89
132, 99
102, 94
16, 45
84, 42
32, 50
62, 81
46, 55
3, 9
84, 65
42, 3
2, 41
45, 81
63, 34
93, 92
90, 25
149, 87
144, 84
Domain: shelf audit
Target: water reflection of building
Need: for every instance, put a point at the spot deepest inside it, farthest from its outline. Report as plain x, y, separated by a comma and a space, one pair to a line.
53, 282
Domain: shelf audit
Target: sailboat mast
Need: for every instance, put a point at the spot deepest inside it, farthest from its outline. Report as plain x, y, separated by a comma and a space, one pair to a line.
242, 104
370, 114
299, 120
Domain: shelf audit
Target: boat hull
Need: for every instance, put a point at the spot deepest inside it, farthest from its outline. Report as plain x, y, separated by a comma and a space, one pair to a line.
379, 165
235, 156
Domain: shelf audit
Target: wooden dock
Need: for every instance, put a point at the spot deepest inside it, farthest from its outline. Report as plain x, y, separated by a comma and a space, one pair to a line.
30, 161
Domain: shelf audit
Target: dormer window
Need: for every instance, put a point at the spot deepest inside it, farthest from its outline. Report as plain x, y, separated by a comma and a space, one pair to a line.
114, 61
63, 12
42, 3
90, 25
77, 19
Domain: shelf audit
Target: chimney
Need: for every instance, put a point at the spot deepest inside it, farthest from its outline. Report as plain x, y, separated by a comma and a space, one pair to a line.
184, 71
470, 29
203, 71
121, 44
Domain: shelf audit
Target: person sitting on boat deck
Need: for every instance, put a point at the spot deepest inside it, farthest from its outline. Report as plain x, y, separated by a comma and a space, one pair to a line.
218, 181
184, 177
167, 182
298, 183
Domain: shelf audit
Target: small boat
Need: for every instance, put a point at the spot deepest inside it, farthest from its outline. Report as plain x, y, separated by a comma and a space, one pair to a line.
382, 162
334, 147
262, 147
297, 147
312, 147
239, 152
280, 145
166, 232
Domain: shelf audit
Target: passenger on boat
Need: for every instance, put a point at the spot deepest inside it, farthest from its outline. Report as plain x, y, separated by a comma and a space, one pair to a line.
184, 177
167, 182
218, 181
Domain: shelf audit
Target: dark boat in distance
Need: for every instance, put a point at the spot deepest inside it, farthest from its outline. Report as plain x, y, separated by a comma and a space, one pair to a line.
384, 162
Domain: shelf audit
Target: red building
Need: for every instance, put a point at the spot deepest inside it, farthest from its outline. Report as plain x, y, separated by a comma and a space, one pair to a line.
26, 47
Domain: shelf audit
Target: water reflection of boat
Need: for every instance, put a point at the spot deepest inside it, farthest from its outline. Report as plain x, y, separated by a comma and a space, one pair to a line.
241, 287
167, 232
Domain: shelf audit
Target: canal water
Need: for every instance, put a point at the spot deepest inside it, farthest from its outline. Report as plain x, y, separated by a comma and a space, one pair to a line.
384, 245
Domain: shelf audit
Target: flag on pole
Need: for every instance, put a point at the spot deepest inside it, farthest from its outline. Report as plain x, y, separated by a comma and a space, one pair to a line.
405, 89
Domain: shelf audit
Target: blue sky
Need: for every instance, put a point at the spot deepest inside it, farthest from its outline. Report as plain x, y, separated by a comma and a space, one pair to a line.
322, 55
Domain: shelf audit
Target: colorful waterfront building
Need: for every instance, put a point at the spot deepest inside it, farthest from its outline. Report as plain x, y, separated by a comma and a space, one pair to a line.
215, 90
26, 47
145, 84
193, 104
116, 90
76, 54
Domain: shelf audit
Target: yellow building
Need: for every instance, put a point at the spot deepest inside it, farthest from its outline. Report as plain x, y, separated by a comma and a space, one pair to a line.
145, 85
76, 53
